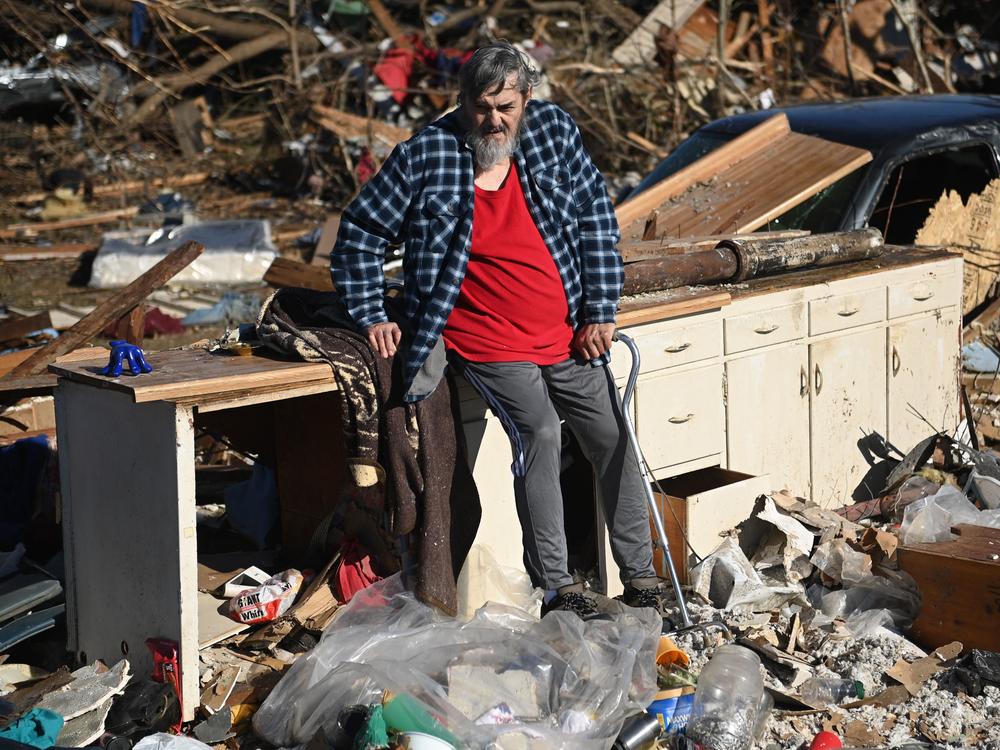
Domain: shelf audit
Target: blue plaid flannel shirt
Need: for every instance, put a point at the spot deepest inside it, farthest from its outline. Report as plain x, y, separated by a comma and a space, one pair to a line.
422, 198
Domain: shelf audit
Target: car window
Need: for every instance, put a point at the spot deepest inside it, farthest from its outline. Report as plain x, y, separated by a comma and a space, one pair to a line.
822, 212
692, 149
916, 185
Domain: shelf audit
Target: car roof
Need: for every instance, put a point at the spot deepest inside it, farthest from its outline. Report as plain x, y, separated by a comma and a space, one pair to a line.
875, 123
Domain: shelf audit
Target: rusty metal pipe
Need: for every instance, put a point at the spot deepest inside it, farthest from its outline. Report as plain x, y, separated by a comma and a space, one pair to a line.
743, 259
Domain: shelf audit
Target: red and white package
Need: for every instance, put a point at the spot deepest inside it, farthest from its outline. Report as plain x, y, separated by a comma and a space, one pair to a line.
268, 601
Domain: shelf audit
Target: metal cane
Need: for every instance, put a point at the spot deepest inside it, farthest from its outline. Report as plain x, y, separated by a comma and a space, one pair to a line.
654, 509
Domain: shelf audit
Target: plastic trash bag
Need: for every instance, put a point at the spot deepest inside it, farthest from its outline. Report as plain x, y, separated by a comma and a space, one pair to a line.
930, 519
236, 252
483, 579
898, 596
385, 640
163, 741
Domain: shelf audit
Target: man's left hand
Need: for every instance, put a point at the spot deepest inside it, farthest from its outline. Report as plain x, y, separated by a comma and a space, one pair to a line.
593, 339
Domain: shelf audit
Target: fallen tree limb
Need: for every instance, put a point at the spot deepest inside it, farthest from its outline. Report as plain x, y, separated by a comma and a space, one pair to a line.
216, 23
201, 74
110, 310
26, 230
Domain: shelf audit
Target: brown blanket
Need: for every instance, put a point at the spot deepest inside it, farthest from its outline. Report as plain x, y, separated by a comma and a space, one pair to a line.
428, 487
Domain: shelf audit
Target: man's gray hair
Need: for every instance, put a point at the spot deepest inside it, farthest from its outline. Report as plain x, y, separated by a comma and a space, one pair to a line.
487, 71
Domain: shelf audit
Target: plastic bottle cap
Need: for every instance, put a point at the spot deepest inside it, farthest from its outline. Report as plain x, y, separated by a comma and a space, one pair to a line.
859, 689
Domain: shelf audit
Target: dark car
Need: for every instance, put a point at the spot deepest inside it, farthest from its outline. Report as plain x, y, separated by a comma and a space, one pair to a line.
921, 146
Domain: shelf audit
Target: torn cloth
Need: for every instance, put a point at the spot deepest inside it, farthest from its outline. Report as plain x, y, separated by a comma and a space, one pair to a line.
429, 490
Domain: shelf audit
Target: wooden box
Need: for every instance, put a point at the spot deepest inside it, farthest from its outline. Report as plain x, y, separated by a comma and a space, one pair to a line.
959, 581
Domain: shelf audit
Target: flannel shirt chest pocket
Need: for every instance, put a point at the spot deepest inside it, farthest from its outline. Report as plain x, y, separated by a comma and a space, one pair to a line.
437, 219
555, 190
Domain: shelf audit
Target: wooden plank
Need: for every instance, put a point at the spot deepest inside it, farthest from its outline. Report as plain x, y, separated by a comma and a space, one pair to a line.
724, 157
18, 328
284, 272
42, 252
346, 125
640, 46
27, 230
192, 373
327, 239
134, 325
758, 188
680, 302
111, 309
120, 188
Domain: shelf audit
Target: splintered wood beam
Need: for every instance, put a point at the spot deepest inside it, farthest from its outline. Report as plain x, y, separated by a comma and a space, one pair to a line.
110, 310
21, 230
132, 326
649, 231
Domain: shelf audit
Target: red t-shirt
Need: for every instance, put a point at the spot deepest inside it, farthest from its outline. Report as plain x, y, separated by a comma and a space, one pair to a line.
512, 305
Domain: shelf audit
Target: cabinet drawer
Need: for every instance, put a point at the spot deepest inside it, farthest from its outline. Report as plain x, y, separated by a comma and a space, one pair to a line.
669, 345
753, 330
845, 311
926, 293
679, 416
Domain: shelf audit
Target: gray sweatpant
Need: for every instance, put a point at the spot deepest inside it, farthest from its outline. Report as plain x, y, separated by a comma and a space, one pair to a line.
529, 400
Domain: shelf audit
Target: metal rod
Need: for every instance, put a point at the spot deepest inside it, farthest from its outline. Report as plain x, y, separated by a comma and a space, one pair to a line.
647, 477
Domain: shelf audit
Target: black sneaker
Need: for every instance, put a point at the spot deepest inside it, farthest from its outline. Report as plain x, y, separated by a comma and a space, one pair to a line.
654, 597
576, 602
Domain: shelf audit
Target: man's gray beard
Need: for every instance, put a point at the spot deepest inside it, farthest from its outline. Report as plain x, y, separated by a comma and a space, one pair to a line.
488, 151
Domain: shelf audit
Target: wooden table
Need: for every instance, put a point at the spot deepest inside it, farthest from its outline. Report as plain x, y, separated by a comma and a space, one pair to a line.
127, 465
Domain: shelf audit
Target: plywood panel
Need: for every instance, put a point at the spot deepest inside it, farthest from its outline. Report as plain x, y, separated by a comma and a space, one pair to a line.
745, 195
189, 373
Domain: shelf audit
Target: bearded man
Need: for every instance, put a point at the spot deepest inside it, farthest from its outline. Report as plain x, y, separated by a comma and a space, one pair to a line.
511, 276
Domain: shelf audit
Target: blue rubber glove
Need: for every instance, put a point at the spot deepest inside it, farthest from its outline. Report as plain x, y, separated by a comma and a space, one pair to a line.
121, 352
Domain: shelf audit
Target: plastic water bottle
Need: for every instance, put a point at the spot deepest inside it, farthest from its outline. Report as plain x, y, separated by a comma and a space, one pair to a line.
727, 701
827, 691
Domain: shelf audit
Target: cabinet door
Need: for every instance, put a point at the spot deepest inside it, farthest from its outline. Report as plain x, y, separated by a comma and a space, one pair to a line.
767, 416
848, 383
923, 366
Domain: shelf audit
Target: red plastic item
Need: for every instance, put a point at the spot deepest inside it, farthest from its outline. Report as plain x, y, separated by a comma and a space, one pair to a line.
167, 668
825, 741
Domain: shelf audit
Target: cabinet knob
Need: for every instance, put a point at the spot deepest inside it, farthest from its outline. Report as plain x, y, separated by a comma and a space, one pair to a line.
818, 380
680, 420
925, 295
895, 361
674, 349
848, 313
803, 381
767, 329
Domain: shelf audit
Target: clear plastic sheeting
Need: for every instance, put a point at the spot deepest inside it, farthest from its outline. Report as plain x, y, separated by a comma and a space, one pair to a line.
236, 252
840, 563
896, 598
484, 579
562, 682
163, 741
930, 519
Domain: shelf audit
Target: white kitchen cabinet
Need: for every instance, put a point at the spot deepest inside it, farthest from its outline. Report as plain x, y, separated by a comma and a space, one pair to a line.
784, 381
923, 366
847, 402
767, 415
